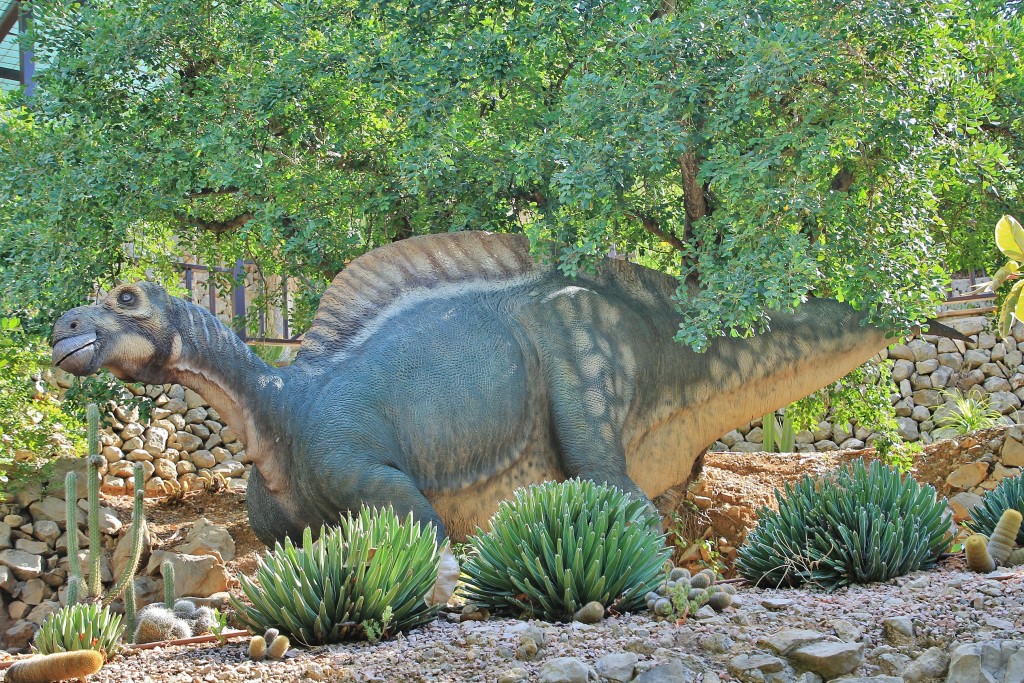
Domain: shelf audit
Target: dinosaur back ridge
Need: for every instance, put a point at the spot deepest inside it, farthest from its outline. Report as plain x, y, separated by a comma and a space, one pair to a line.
373, 281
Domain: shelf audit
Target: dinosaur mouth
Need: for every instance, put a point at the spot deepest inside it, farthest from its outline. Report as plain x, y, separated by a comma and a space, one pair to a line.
75, 354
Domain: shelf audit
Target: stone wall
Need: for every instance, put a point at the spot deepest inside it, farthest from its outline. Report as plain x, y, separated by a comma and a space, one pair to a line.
183, 443
922, 369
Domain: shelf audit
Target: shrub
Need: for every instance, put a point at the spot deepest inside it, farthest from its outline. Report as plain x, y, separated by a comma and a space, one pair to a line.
80, 627
857, 526
1009, 494
558, 546
372, 573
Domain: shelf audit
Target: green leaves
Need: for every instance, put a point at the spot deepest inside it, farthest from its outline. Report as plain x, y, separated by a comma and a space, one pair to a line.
763, 151
858, 525
1010, 240
558, 546
372, 572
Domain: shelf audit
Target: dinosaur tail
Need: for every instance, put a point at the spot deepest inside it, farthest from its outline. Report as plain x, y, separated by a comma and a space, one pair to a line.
933, 326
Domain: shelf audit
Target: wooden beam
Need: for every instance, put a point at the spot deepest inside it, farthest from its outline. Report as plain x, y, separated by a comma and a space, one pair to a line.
9, 18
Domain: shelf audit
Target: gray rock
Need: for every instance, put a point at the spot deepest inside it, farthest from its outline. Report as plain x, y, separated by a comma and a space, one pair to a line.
108, 521
230, 468
7, 580
20, 635
933, 663
742, 666
203, 458
846, 631
29, 546
563, 670
590, 613
188, 442
61, 467
829, 660
193, 400
965, 665
617, 667
205, 536
5, 535
34, 592
902, 369
24, 565
513, 675
922, 350
672, 671
1014, 672
53, 509
155, 440
871, 679
40, 612
46, 531
787, 640
898, 630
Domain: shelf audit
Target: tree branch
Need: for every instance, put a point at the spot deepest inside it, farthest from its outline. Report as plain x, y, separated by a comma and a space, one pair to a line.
695, 202
217, 227
654, 227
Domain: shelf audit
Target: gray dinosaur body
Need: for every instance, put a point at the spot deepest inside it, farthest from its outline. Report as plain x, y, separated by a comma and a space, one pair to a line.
443, 372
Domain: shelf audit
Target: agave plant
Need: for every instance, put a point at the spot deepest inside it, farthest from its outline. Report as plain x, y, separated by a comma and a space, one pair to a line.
80, 627
558, 546
370, 575
859, 525
966, 413
1009, 494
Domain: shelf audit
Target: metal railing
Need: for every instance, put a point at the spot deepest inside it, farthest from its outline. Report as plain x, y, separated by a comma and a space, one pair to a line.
239, 312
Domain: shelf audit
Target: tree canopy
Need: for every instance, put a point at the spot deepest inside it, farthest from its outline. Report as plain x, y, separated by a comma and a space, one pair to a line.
766, 150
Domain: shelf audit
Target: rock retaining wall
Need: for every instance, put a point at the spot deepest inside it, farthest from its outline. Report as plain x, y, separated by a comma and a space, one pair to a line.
922, 369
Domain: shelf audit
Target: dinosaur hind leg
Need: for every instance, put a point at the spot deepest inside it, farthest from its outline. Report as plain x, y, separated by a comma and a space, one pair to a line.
591, 381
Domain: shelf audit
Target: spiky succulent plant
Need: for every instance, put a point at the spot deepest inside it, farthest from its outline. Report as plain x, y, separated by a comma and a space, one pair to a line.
374, 570
80, 627
1009, 494
558, 546
858, 525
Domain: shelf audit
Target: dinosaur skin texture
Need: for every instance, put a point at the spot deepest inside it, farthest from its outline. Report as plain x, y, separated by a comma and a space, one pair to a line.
443, 372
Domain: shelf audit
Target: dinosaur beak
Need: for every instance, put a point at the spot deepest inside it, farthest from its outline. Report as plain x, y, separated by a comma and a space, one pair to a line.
75, 342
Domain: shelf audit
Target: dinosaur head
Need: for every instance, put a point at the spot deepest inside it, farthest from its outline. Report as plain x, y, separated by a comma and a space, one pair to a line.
131, 332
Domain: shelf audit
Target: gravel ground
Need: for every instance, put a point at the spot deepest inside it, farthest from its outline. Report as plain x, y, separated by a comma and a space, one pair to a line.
947, 605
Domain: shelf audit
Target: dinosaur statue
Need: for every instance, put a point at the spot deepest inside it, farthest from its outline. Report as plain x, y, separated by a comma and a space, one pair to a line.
443, 372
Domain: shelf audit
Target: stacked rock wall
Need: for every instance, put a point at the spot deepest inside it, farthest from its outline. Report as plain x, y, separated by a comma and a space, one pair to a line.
923, 369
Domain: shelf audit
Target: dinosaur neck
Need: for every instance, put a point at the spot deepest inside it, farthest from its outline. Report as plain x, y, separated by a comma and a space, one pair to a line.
211, 360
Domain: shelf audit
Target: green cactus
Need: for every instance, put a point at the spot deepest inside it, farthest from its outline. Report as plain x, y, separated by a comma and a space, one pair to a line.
167, 571
136, 548
257, 648
278, 647
129, 606
59, 666
75, 582
978, 557
1001, 542
157, 623
93, 465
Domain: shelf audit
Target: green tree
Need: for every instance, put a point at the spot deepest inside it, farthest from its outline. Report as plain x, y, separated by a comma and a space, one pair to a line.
763, 151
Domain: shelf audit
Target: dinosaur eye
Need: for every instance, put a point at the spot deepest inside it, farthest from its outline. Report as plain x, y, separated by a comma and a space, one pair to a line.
126, 298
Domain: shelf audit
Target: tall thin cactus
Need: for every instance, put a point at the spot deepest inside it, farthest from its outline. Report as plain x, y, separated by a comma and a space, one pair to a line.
75, 582
129, 607
93, 469
136, 549
167, 571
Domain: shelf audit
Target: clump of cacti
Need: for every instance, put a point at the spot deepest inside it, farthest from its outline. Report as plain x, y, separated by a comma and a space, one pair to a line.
158, 623
985, 553
58, 666
680, 594
271, 645
1007, 495
83, 623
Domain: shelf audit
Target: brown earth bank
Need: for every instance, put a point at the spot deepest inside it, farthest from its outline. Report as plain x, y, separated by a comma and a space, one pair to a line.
913, 623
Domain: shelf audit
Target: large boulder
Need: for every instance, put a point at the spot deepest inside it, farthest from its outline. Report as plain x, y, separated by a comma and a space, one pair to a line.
206, 536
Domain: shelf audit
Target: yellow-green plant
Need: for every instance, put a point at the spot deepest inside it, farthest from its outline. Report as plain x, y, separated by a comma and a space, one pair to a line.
966, 413
325, 591
1010, 240
556, 546
80, 627
778, 436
